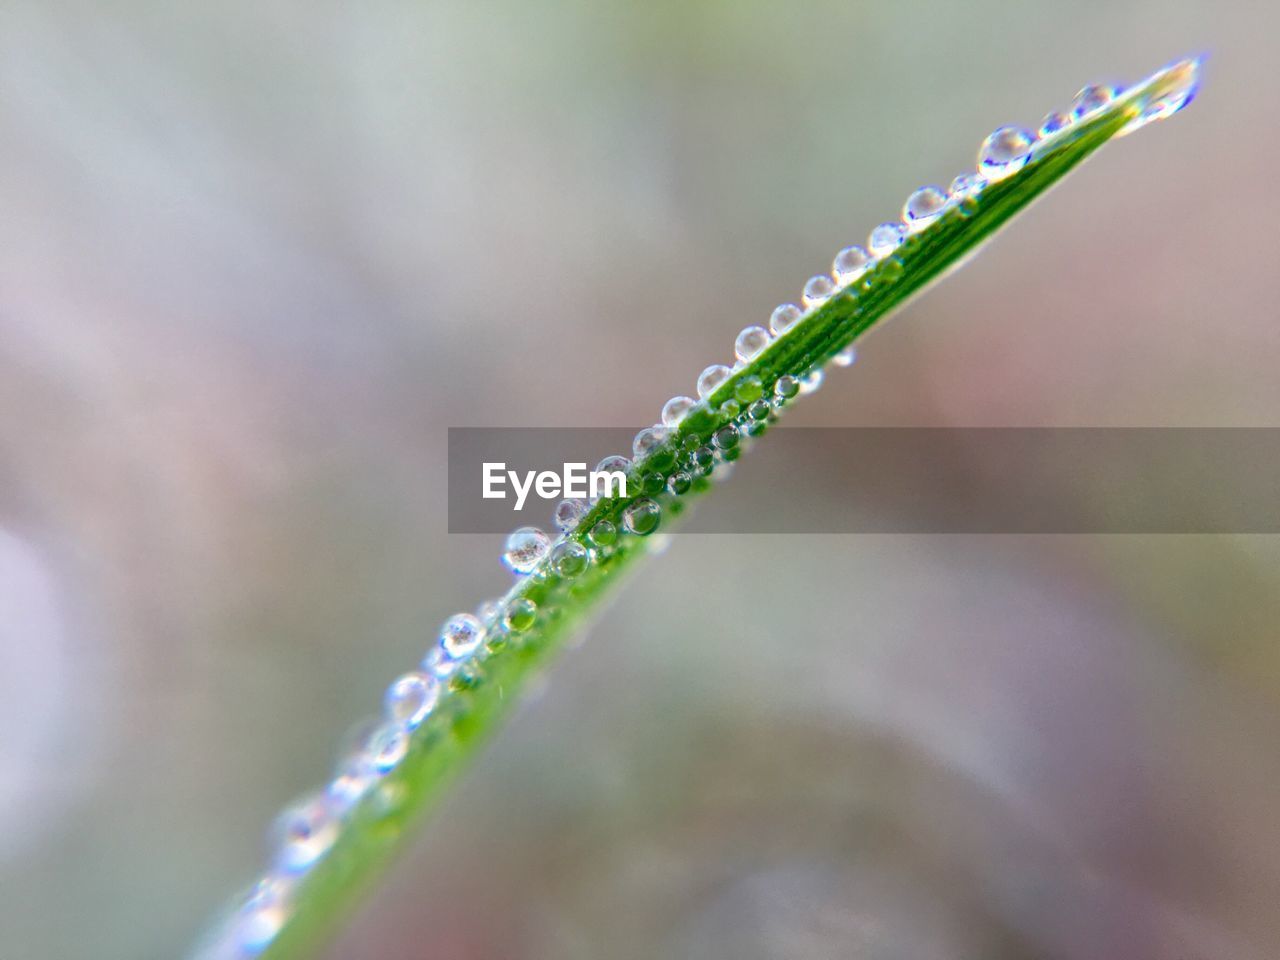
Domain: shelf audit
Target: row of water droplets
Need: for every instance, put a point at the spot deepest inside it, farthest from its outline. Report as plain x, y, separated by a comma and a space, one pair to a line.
664, 472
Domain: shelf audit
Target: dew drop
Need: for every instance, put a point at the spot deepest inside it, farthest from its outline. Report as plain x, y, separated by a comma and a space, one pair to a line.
759, 410
886, 238
711, 378
750, 343
642, 517
818, 290
648, 439
850, 263
810, 382
1004, 153
351, 781
569, 558
522, 612
966, 186
1175, 87
726, 438
923, 207
388, 746
747, 389
674, 410
461, 635
1091, 98
263, 915
411, 698
786, 387
614, 464
680, 483
846, 357
568, 513
604, 533
702, 460
1054, 122
526, 547
784, 318
306, 831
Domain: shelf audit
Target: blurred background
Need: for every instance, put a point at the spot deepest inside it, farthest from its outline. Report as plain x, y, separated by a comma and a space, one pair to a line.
256, 258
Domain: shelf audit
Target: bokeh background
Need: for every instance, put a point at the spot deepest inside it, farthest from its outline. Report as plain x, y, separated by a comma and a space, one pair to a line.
256, 258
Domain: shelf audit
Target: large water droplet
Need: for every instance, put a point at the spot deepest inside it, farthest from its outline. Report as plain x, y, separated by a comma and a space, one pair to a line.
786, 387
1004, 153
1054, 122
411, 698
462, 635
1091, 98
526, 548
674, 410
522, 612
818, 290
784, 318
886, 238
850, 263
711, 378
305, 833
1172, 89
604, 533
750, 343
647, 439
567, 514
569, 558
642, 517
923, 207
966, 186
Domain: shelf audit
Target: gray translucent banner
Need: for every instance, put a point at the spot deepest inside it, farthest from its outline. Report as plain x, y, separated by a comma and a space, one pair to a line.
919, 480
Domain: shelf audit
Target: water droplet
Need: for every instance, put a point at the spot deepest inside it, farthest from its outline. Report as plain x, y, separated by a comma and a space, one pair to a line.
1004, 153
388, 746
569, 558
702, 460
568, 513
411, 698
726, 438
886, 238
440, 664
680, 483
674, 410
786, 387
642, 517
967, 186
614, 464
351, 781
604, 533
747, 389
759, 410
461, 635
818, 290
850, 263
1054, 122
305, 832
750, 343
1175, 86
263, 914
522, 611
526, 547
784, 318
810, 382
846, 357
923, 207
711, 378
647, 439
488, 611
1091, 98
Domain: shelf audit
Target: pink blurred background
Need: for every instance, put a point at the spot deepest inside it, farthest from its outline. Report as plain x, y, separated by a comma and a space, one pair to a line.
254, 261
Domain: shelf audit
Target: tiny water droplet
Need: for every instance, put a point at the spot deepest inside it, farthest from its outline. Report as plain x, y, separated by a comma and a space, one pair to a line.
810, 382
461, 635
818, 290
306, 831
786, 387
604, 533
1054, 122
923, 207
569, 558
1091, 98
747, 389
702, 460
711, 378
674, 410
886, 238
784, 318
642, 517
522, 612
411, 698
388, 746
568, 513
351, 781
647, 439
759, 410
680, 483
850, 263
526, 547
967, 186
1004, 153
846, 357
750, 343
726, 438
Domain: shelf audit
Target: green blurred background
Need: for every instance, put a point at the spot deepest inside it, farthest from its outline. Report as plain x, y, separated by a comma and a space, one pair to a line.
256, 258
